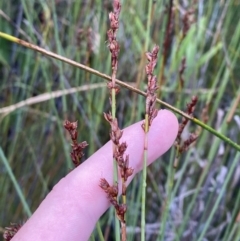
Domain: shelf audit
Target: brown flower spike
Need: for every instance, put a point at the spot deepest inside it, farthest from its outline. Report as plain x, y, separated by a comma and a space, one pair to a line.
121, 161
151, 86
119, 150
193, 137
77, 148
11, 231
113, 44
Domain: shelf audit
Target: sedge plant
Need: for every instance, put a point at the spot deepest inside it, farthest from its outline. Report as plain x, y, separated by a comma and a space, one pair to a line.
199, 59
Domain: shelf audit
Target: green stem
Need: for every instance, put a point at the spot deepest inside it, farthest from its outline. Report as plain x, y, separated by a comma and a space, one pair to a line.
115, 166
92, 238
144, 185
99, 230
121, 83
15, 183
149, 19
172, 170
144, 179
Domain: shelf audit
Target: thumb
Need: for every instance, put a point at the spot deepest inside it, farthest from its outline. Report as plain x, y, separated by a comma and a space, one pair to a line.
71, 210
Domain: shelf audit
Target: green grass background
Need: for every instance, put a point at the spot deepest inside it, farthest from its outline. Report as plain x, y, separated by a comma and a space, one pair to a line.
34, 147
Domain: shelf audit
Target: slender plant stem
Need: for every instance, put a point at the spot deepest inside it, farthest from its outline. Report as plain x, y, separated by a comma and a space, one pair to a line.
144, 185
115, 165
166, 46
144, 176
114, 50
144, 179
172, 170
99, 230
15, 183
59, 50
92, 238
119, 82
149, 19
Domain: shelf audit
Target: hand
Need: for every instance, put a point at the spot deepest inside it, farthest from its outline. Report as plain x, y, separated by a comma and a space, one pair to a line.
71, 210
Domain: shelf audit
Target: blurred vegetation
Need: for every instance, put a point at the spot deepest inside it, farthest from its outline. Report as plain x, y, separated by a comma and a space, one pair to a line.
205, 199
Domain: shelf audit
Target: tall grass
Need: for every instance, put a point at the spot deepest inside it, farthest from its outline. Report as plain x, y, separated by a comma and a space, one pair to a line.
205, 196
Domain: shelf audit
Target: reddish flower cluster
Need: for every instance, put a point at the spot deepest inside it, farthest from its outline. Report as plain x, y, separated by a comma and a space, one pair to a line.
119, 150
152, 86
112, 32
123, 165
115, 133
191, 105
193, 137
182, 125
113, 44
190, 109
77, 148
11, 231
112, 193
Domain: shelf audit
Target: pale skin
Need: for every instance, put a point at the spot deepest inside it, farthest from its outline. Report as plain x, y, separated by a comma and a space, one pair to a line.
71, 210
